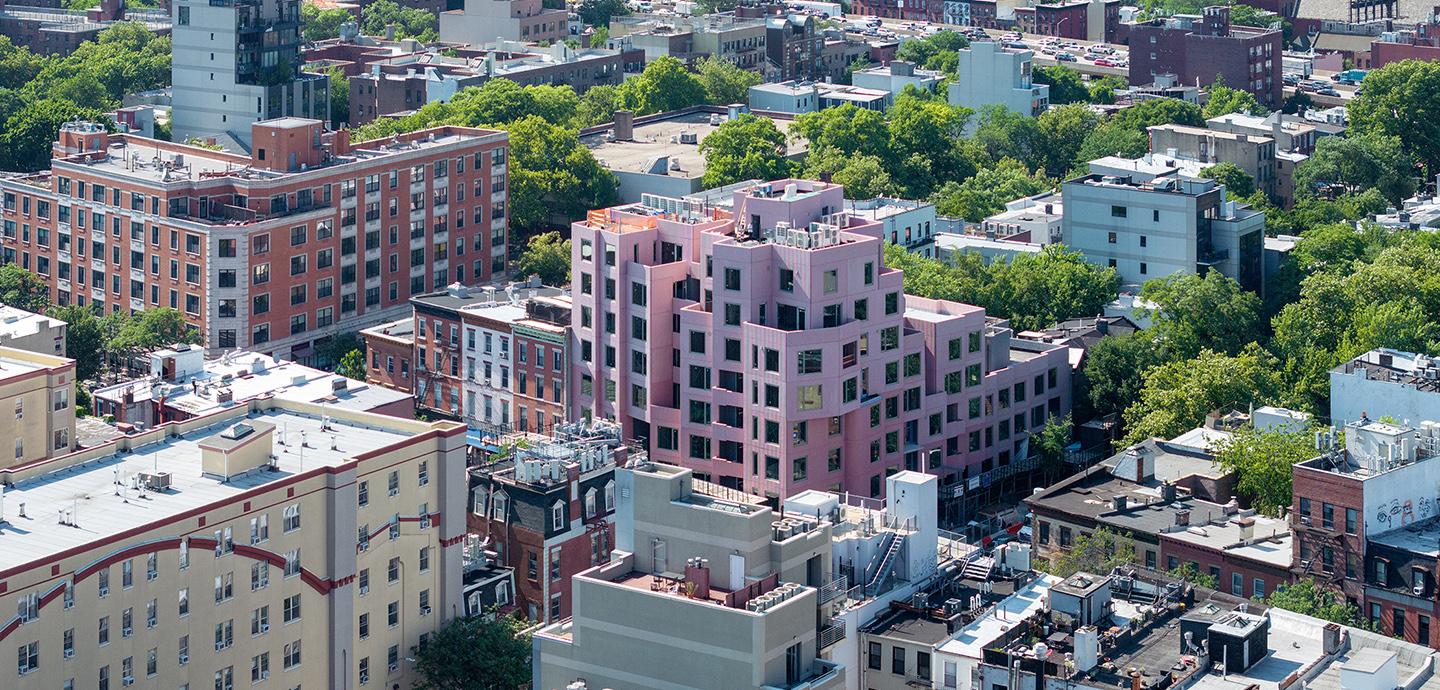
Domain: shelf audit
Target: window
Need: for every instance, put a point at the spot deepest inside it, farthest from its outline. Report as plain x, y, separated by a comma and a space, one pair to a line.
897, 660
874, 659
1118, 212
292, 608
292, 518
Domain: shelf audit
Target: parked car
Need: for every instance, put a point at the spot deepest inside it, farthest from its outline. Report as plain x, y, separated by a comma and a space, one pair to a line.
1105, 62
1290, 79
1066, 57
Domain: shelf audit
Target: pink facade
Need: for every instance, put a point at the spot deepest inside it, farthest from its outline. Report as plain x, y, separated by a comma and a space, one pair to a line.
769, 349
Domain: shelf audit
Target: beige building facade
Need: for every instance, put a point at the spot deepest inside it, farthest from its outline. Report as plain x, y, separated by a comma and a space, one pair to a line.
25, 330
37, 407
705, 592
275, 543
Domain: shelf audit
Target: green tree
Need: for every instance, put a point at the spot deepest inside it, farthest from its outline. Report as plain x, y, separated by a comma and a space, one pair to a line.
1007, 134
1308, 598
475, 653
85, 339
848, 129
1160, 111
28, 134
22, 289
318, 24
1050, 445
1061, 132
1114, 371
1114, 139
1400, 100
1262, 461
1237, 182
1097, 553
548, 256
1066, 86
409, 22
920, 51
598, 12
989, 190
1177, 395
600, 37
150, 330
665, 85
1195, 312
1036, 290
1223, 100
862, 176
1357, 163
927, 144
1102, 90
747, 147
1190, 573
339, 97
551, 174
332, 349
724, 81
352, 365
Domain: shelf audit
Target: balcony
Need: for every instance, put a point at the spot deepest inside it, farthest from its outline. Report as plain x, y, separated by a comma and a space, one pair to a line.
822, 675
830, 633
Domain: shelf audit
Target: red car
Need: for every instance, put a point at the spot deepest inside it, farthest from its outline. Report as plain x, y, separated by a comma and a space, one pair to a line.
1105, 62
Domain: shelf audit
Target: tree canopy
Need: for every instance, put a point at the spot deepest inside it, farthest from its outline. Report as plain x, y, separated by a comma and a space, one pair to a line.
1224, 100
1400, 100
747, 147
1032, 290
1262, 461
1306, 597
22, 289
475, 653
1098, 552
1177, 395
1358, 163
1237, 182
724, 81
409, 22
548, 256
317, 24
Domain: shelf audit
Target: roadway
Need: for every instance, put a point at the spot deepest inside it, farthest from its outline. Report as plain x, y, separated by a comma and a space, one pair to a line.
1084, 62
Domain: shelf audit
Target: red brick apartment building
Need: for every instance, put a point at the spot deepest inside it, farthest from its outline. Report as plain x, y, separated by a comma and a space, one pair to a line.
548, 513
273, 252
1206, 48
390, 349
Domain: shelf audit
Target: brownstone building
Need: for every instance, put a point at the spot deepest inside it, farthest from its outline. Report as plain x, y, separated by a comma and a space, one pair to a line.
547, 513
266, 251
390, 349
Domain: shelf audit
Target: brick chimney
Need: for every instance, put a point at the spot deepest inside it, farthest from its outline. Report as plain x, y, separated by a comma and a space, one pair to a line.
624, 125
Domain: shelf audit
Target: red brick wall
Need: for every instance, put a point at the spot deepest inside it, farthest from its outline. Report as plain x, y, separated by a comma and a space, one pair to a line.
1342, 492
534, 400
383, 363
1228, 565
1382, 53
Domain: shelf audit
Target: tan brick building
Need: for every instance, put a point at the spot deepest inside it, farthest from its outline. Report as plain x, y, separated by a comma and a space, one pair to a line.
275, 540
37, 406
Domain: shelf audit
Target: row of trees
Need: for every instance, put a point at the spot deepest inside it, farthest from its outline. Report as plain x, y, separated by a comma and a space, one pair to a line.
554, 178
318, 24
38, 93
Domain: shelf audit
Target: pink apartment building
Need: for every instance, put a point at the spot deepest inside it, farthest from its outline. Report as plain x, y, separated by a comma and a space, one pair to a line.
769, 349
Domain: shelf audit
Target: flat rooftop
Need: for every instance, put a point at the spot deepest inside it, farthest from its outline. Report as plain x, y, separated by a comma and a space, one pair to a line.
253, 375
18, 323
907, 625
11, 367
971, 640
660, 137
100, 512
137, 158
1269, 543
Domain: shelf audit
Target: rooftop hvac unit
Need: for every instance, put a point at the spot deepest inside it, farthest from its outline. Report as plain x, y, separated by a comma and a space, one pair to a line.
340, 383
689, 138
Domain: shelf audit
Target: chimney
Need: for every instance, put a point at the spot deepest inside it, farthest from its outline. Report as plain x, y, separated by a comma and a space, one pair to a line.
1167, 492
624, 125
697, 571
340, 142
1136, 678
1102, 326
1119, 503
1182, 518
1330, 638
1247, 528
